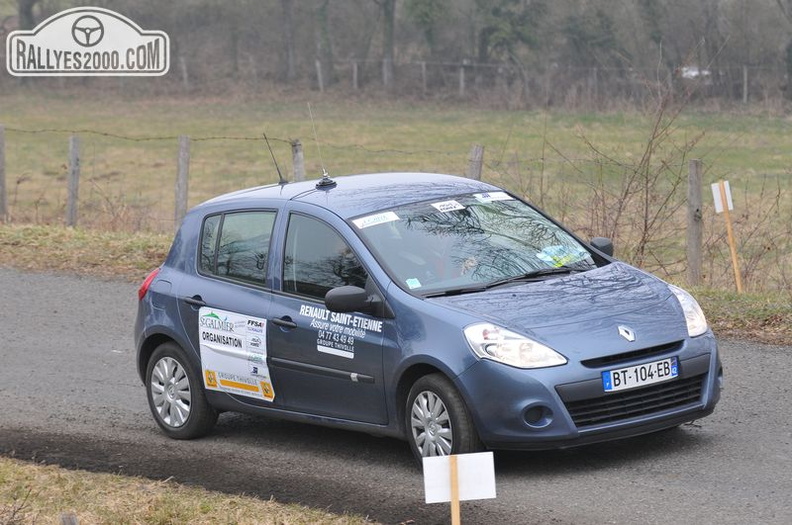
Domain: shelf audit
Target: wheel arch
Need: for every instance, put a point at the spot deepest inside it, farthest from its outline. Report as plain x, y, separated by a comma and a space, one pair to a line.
147, 348
407, 379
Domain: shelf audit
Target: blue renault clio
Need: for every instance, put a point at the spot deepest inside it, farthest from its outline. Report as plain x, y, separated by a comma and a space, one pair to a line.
438, 309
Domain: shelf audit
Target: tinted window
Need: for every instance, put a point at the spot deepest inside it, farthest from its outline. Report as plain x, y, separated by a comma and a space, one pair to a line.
317, 259
236, 245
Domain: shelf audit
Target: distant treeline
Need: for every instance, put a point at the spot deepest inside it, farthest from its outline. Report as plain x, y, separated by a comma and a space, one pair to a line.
514, 52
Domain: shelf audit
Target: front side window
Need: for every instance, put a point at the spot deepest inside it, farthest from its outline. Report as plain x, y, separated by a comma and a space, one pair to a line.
318, 259
236, 245
469, 242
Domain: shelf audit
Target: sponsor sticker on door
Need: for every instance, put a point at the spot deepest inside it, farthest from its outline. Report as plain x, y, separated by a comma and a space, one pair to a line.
234, 353
87, 41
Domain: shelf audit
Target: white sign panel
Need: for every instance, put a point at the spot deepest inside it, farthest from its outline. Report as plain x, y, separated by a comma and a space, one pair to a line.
447, 206
716, 195
87, 41
476, 477
234, 353
373, 220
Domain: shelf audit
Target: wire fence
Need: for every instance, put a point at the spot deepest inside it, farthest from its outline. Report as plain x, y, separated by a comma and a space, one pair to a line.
108, 181
145, 183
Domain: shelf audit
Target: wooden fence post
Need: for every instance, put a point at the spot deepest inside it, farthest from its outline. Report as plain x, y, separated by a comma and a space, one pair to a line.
185, 77
694, 223
387, 73
3, 191
745, 84
475, 162
74, 180
298, 160
182, 179
462, 80
355, 80
319, 76
423, 76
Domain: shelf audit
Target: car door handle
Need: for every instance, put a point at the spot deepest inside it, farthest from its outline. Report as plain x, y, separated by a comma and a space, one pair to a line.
285, 322
195, 300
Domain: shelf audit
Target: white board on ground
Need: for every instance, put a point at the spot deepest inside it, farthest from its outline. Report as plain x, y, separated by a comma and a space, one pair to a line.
476, 477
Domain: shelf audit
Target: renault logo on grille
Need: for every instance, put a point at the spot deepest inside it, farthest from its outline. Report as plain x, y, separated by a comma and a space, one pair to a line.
626, 333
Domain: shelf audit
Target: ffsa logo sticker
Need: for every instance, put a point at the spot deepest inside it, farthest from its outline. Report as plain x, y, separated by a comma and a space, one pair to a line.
87, 41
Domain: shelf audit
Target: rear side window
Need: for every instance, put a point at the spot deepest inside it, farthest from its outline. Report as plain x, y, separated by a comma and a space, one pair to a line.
317, 259
236, 245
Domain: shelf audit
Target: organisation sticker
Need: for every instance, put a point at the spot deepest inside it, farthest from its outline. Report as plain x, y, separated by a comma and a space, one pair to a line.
234, 353
337, 332
447, 206
373, 220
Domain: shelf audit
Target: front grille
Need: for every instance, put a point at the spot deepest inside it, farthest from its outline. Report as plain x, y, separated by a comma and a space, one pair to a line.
599, 362
619, 406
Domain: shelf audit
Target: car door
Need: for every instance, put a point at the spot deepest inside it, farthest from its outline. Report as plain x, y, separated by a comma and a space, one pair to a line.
326, 363
224, 303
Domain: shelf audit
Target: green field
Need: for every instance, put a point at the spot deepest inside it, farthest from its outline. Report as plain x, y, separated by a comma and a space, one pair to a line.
604, 174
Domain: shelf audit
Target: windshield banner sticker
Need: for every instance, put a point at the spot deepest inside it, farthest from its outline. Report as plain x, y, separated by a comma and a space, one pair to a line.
234, 353
447, 206
337, 332
493, 196
373, 220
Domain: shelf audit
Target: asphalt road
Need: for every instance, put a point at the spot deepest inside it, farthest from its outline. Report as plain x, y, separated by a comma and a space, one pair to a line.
71, 396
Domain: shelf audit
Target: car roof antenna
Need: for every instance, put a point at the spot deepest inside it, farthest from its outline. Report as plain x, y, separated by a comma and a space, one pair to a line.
281, 180
326, 181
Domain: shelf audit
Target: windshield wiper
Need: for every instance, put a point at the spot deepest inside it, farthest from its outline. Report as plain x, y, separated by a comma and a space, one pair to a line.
528, 276
456, 291
534, 274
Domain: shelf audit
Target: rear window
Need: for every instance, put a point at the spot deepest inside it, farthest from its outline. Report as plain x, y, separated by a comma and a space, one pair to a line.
236, 245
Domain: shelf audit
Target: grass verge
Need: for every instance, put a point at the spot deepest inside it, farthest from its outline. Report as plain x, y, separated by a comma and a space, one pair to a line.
31, 493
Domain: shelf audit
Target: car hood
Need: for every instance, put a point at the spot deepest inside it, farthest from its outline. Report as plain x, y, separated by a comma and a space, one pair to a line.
584, 307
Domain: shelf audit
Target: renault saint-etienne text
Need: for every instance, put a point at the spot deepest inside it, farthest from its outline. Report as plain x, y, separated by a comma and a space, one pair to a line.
441, 310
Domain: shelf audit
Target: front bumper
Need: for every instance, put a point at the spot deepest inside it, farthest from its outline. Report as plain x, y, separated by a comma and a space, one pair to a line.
566, 406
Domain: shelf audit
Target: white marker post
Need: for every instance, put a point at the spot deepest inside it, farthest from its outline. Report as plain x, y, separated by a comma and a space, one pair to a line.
459, 478
721, 193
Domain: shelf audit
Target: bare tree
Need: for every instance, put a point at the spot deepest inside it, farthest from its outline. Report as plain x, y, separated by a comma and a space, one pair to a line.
289, 66
25, 11
324, 45
388, 40
786, 9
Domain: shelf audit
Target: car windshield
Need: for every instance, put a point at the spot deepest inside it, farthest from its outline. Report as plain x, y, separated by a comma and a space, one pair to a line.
469, 243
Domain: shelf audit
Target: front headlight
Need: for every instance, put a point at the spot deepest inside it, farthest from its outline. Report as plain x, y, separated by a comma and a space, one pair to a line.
493, 342
694, 316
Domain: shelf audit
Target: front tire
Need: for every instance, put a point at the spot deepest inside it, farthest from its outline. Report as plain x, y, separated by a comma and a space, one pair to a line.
437, 420
176, 396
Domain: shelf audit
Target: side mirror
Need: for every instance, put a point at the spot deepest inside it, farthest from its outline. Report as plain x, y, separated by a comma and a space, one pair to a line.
603, 244
349, 299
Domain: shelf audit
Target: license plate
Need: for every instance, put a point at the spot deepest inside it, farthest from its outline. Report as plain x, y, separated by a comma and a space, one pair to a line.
640, 375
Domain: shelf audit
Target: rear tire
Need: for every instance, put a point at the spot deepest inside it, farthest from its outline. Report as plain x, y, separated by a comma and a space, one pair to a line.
176, 396
437, 420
